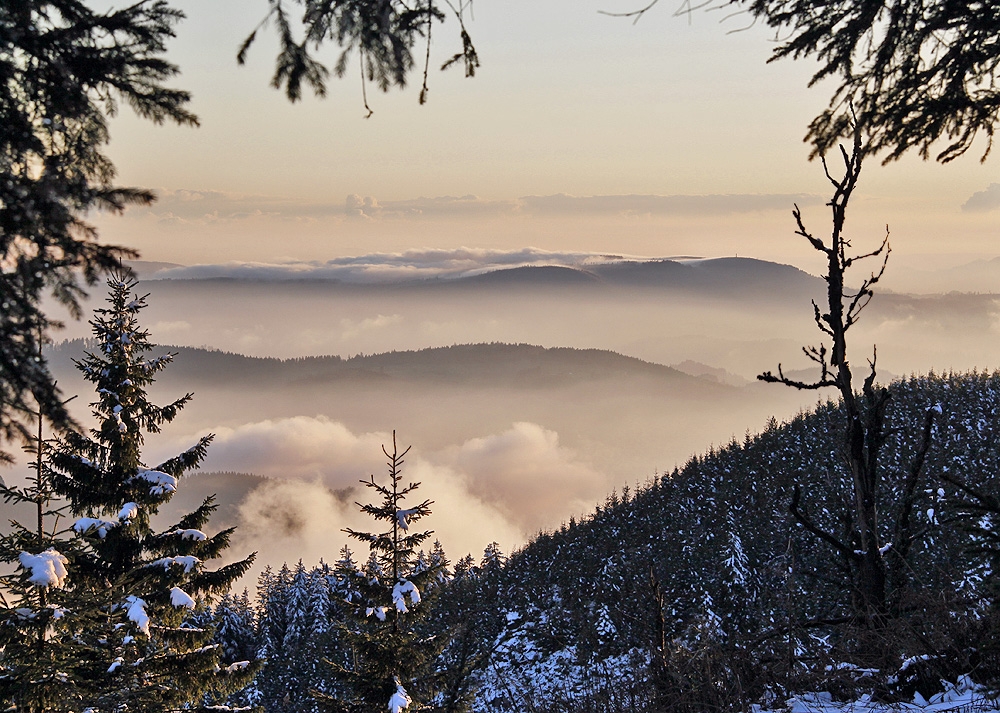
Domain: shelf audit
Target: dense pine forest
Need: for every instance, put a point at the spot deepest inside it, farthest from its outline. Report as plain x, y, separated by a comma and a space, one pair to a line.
697, 589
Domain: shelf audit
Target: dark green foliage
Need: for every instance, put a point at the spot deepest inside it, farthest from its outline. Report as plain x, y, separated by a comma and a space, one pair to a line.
391, 651
750, 598
465, 609
913, 72
382, 34
43, 660
234, 623
64, 69
143, 651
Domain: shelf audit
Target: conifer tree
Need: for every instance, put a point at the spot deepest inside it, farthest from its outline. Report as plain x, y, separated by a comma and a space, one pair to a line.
393, 661
234, 622
146, 656
272, 595
40, 653
321, 642
66, 68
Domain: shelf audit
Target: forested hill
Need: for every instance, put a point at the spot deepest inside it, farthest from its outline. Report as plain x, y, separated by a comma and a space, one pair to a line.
733, 566
494, 363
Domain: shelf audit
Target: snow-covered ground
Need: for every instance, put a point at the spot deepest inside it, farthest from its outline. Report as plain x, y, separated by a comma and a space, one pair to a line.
523, 673
963, 697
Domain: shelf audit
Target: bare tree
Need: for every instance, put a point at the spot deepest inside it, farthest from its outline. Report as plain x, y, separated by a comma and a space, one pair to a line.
865, 410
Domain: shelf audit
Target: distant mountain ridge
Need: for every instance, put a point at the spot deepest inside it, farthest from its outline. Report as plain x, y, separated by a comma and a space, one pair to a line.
710, 276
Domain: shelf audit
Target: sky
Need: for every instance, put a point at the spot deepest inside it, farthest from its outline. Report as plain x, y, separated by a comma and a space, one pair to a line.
581, 131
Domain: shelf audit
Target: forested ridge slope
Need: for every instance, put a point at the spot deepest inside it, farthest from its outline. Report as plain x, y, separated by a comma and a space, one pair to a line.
753, 608
733, 566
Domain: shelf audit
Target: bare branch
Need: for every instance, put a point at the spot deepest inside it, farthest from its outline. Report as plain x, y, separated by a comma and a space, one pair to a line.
635, 14
901, 537
822, 534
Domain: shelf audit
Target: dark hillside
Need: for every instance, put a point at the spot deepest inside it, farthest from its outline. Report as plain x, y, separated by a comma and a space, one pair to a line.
494, 364
733, 564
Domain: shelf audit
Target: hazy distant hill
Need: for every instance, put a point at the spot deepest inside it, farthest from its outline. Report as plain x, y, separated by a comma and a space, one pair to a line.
486, 365
541, 276
730, 277
229, 489
977, 276
144, 269
719, 277
626, 416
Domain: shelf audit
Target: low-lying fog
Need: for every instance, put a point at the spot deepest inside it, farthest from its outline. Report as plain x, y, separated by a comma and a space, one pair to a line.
506, 440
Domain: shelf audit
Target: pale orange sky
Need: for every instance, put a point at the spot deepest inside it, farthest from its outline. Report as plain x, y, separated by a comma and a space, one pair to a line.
568, 101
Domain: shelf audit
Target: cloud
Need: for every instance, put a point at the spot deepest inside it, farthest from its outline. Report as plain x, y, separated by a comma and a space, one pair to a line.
284, 521
170, 329
355, 328
382, 268
983, 201
300, 447
529, 475
624, 205
358, 207
188, 207
500, 487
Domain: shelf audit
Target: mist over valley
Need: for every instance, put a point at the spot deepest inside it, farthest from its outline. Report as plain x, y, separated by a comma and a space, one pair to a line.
529, 391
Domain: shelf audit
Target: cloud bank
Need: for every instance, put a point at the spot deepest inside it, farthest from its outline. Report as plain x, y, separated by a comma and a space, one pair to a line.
500, 487
383, 268
209, 207
983, 201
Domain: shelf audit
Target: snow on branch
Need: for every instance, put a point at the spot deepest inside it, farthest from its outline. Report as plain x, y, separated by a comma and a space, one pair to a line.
85, 524
196, 535
188, 562
180, 598
400, 699
163, 483
136, 611
399, 592
47, 569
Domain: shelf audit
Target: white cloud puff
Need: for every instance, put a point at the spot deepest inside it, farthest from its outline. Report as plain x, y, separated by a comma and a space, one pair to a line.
351, 328
500, 487
535, 481
985, 200
301, 447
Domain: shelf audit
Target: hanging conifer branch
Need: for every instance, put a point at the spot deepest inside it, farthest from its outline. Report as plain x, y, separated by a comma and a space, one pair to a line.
383, 32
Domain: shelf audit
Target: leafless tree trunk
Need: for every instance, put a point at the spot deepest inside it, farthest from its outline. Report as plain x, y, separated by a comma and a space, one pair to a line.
865, 411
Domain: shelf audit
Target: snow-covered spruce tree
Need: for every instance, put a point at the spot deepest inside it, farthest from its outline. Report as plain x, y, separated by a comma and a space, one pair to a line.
272, 622
393, 663
234, 623
40, 654
146, 657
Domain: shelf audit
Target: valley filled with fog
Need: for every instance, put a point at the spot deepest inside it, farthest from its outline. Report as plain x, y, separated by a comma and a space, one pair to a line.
529, 391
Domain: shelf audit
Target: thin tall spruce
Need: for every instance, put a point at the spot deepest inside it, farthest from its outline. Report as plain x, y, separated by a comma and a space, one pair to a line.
393, 656
41, 656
